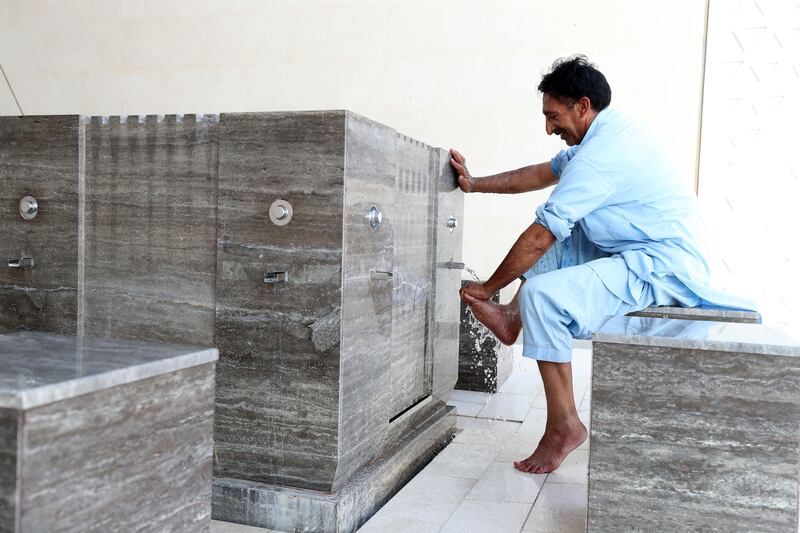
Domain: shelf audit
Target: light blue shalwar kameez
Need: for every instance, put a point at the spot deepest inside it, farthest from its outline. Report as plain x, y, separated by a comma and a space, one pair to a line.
628, 236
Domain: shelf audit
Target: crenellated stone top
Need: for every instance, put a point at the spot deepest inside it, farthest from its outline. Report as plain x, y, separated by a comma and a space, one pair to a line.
41, 368
698, 335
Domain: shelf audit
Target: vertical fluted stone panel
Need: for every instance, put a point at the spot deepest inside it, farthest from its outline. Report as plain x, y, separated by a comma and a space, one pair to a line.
135, 457
277, 410
365, 373
151, 187
695, 427
39, 158
412, 224
9, 430
448, 233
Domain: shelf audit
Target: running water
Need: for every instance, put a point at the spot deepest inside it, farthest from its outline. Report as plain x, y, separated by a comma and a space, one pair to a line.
474, 275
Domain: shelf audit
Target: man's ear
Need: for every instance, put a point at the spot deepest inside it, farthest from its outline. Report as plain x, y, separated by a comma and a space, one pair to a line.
584, 105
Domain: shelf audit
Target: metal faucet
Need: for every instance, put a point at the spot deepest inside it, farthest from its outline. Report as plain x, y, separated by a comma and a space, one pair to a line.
23, 262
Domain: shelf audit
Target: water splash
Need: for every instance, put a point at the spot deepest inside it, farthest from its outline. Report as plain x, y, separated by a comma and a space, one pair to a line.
474, 274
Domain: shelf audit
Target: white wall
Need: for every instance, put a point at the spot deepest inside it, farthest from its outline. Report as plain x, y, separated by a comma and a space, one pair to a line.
749, 175
449, 72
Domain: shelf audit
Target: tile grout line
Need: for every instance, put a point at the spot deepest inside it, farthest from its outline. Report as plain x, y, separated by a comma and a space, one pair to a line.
536, 499
459, 504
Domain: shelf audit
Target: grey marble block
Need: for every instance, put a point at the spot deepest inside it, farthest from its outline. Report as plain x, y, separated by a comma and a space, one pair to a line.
150, 229
327, 370
448, 266
104, 435
700, 313
288, 509
484, 363
695, 426
39, 157
411, 220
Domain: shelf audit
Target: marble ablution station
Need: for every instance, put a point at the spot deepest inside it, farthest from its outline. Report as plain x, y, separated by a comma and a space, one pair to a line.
318, 251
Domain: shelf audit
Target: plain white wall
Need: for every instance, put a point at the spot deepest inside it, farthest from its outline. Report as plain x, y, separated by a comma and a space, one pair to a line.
455, 73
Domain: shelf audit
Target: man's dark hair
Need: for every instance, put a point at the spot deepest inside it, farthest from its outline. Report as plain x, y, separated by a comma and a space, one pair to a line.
571, 78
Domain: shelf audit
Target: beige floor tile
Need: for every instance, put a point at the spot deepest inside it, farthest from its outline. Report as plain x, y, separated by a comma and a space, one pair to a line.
428, 498
483, 517
469, 396
578, 391
507, 407
501, 482
384, 523
463, 421
218, 526
560, 508
524, 379
519, 447
526, 438
574, 469
462, 460
586, 403
534, 422
490, 433
585, 417
466, 408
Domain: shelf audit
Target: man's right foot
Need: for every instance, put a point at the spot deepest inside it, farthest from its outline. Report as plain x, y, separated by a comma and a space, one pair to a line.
501, 320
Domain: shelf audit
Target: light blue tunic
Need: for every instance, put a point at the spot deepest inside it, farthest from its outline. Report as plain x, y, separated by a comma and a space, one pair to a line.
629, 235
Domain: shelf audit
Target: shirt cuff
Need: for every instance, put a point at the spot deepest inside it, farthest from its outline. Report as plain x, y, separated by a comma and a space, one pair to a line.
559, 227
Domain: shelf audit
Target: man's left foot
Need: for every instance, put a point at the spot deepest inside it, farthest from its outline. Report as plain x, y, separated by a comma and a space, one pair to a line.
556, 444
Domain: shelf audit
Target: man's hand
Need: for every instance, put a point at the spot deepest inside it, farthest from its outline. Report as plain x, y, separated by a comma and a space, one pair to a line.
459, 164
476, 290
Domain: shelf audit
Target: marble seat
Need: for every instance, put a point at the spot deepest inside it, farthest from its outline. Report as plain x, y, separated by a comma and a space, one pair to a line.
104, 435
695, 425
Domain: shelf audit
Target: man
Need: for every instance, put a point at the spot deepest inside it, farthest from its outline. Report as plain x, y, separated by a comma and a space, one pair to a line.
618, 233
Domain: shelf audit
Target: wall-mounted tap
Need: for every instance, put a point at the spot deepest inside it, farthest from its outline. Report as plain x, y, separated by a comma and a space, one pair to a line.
23, 262
28, 208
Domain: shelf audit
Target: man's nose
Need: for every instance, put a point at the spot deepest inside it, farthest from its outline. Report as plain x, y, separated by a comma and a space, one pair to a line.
549, 128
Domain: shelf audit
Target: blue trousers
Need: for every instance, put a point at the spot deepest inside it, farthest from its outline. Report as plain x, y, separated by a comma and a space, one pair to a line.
563, 297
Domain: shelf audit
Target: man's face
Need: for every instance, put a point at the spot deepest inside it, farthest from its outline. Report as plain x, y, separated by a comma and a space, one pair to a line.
563, 120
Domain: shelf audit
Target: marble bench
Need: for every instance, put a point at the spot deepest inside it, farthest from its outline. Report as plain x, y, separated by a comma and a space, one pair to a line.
104, 435
695, 425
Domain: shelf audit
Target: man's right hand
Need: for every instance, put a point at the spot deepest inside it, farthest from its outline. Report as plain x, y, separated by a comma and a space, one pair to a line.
459, 164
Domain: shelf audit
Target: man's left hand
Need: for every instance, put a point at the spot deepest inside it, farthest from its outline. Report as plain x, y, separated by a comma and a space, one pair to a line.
476, 290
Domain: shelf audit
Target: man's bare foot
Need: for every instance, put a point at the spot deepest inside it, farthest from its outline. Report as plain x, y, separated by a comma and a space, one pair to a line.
502, 320
556, 444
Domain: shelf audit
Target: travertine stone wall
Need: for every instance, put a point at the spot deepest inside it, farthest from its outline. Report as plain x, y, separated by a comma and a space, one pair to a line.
150, 228
278, 374
39, 158
412, 225
447, 278
8, 470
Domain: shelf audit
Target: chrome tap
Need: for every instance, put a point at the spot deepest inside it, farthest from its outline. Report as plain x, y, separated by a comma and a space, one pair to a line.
23, 262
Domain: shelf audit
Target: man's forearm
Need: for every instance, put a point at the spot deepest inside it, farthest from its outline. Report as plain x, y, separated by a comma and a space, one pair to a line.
525, 179
529, 248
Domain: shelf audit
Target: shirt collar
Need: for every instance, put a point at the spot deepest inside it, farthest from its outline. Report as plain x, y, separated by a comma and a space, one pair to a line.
600, 117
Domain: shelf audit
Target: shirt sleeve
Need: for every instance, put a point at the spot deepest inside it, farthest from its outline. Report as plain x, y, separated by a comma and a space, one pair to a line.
581, 189
561, 159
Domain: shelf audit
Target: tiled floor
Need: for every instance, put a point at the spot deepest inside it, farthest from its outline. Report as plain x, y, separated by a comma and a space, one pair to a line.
472, 485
